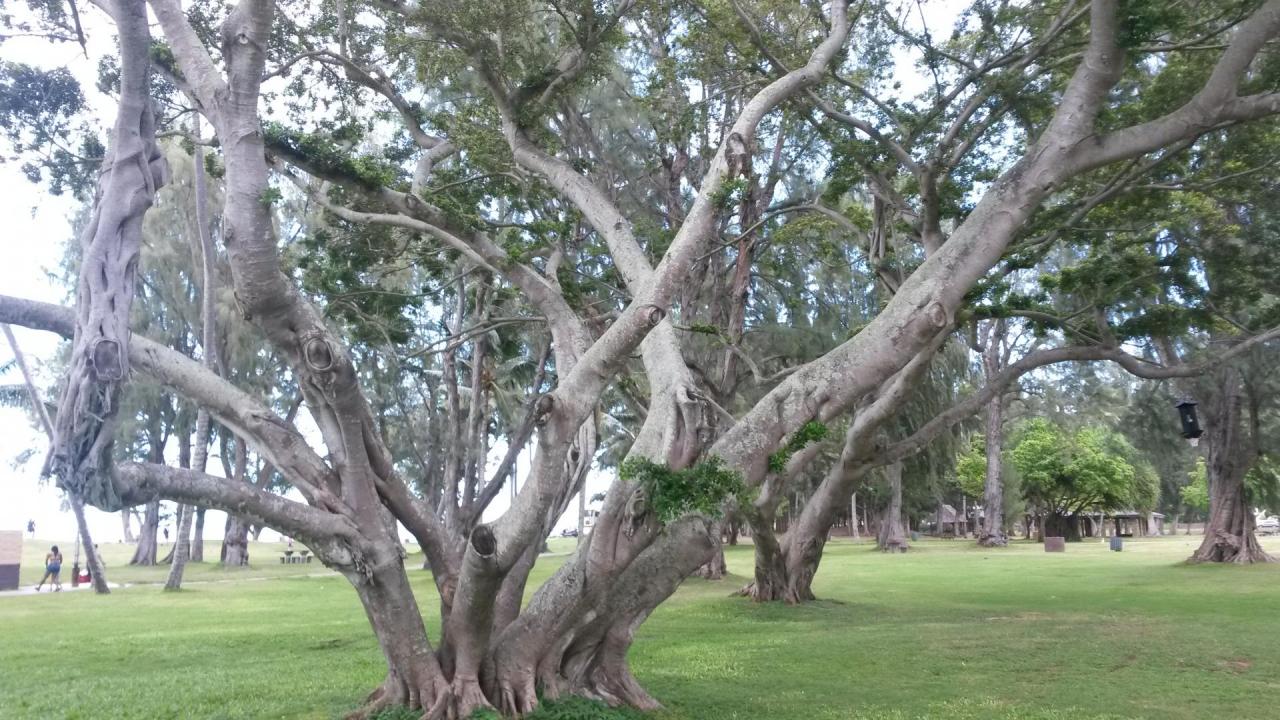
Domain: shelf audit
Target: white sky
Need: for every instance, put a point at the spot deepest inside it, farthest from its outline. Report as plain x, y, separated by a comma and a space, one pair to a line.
36, 226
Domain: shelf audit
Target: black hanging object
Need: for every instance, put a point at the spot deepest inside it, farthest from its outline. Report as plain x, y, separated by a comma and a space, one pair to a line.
1190, 423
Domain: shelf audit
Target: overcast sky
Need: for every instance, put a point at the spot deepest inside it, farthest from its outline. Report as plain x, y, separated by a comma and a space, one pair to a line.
36, 227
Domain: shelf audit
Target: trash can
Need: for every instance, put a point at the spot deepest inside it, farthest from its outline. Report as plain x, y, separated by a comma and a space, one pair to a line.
1117, 543
915, 536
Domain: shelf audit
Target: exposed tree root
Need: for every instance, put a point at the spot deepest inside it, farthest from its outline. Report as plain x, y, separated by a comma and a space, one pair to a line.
789, 593
467, 698
517, 696
994, 541
617, 687
425, 691
1225, 547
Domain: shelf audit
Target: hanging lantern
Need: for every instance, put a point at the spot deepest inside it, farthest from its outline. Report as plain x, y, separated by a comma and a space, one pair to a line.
1190, 423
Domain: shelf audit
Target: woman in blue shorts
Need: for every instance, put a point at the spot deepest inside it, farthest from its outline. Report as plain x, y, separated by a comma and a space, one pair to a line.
52, 568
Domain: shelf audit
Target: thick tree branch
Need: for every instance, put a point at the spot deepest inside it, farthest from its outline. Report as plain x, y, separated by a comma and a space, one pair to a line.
140, 483
1216, 102
272, 437
999, 382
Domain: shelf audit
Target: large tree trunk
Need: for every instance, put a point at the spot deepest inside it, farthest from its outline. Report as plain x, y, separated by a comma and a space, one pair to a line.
1229, 533
892, 536
235, 542
1061, 525
995, 356
769, 583
583, 651
145, 553
807, 538
993, 534
414, 678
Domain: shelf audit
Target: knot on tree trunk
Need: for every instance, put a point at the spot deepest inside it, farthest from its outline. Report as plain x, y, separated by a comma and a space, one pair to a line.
108, 360
317, 353
654, 315
483, 542
636, 510
542, 409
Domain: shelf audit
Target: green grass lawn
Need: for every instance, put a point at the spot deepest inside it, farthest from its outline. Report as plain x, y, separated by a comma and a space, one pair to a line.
264, 557
946, 631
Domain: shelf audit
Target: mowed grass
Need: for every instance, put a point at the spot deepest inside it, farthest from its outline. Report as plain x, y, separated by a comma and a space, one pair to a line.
946, 631
264, 562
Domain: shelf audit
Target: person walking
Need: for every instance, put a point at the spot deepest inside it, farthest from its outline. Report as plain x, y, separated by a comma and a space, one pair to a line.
31, 528
52, 569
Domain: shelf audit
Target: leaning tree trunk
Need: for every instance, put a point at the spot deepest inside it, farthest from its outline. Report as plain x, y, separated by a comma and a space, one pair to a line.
92, 560
181, 548
993, 534
806, 539
892, 537
1229, 533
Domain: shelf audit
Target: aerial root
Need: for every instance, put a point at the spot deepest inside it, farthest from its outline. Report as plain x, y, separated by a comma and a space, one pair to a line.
517, 698
467, 697
424, 691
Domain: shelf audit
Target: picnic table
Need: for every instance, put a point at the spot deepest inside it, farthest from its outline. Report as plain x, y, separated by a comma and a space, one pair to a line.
289, 557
